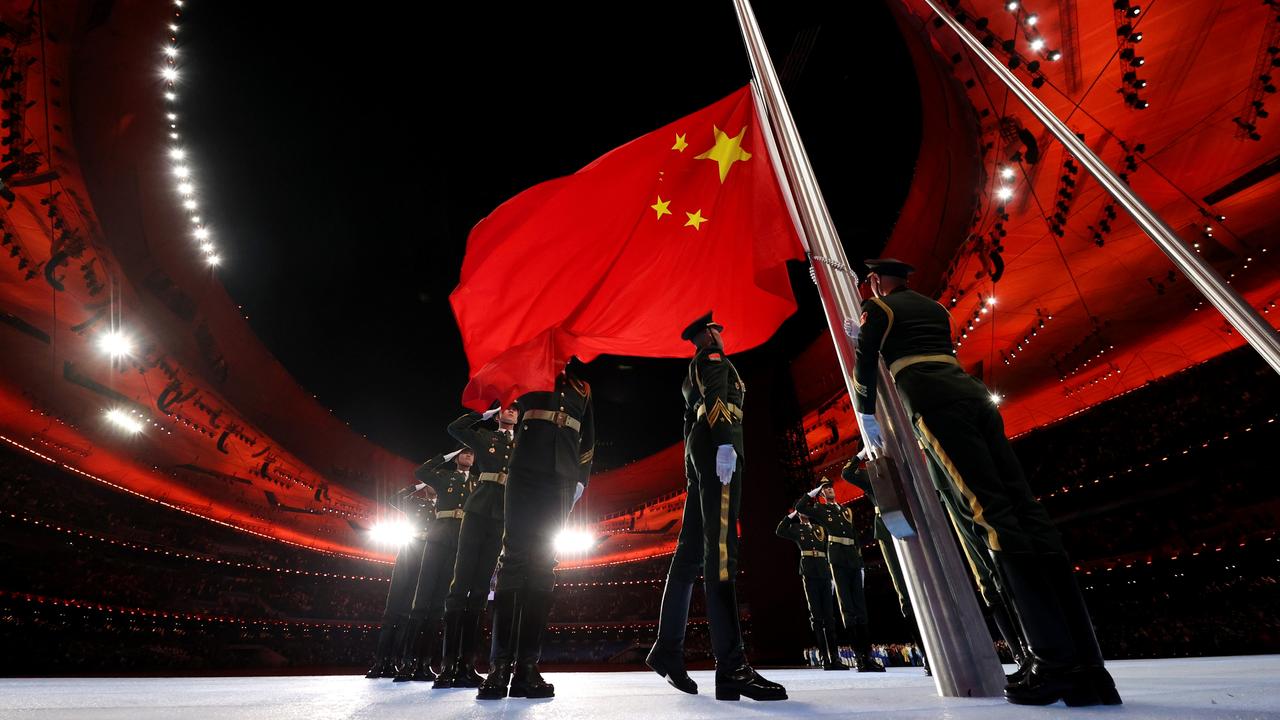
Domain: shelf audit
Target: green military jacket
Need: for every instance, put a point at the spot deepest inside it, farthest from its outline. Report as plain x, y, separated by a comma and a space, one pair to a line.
913, 333
493, 455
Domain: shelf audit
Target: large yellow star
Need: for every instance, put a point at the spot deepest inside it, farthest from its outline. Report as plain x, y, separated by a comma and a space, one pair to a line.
726, 151
680, 143
661, 207
696, 219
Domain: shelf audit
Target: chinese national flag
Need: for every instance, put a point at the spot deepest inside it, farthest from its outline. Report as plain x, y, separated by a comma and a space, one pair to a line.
622, 255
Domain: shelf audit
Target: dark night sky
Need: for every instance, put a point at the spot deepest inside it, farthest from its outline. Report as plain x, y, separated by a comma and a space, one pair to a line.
348, 155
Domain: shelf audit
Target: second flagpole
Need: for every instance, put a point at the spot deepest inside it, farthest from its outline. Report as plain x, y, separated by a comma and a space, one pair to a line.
956, 638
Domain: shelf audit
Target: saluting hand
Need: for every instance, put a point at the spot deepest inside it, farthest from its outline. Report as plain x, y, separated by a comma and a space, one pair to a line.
489, 413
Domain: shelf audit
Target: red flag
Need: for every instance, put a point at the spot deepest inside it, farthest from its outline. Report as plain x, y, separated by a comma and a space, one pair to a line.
622, 255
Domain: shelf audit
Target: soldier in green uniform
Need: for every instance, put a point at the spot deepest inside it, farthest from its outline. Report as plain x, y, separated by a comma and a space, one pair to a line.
815, 576
555, 444
845, 559
856, 475
452, 485
419, 512
479, 541
958, 424
708, 541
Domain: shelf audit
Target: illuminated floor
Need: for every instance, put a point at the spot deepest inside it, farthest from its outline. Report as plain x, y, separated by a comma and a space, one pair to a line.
1215, 688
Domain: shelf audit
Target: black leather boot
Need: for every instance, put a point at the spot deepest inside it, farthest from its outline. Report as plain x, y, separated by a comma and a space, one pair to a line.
667, 655
504, 614
466, 676
732, 684
862, 650
451, 651
1053, 673
535, 609
1061, 578
382, 658
426, 650
1012, 634
830, 649
406, 649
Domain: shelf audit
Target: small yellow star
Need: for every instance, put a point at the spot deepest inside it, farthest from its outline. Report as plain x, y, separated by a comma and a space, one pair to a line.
680, 143
661, 207
696, 219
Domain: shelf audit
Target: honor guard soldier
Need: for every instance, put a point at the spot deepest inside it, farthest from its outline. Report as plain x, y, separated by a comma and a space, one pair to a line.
856, 475
404, 577
845, 559
815, 576
555, 444
959, 426
479, 541
452, 485
708, 541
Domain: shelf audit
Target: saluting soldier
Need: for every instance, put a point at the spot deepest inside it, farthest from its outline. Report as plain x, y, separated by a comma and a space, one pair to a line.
479, 541
959, 426
419, 512
845, 559
815, 576
550, 466
856, 475
452, 485
708, 541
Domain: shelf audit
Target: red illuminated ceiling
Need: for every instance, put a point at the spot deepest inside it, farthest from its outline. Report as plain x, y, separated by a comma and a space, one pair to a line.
1121, 315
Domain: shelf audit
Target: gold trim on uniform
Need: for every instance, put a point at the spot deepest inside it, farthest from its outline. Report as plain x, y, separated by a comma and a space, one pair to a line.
724, 534
975, 506
720, 411
888, 311
587, 456
494, 477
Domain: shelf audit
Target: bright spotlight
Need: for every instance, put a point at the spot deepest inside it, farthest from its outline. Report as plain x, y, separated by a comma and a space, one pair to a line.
1004, 193
177, 153
574, 542
391, 532
997, 398
186, 188
121, 419
190, 204
169, 74
213, 259
1037, 44
991, 300
115, 343
206, 247
202, 233
1006, 172
182, 171
170, 51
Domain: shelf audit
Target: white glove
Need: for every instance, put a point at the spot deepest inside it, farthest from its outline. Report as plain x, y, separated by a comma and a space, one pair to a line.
489, 413
871, 431
726, 463
577, 493
452, 455
865, 453
419, 486
814, 492
851, 328
792, 514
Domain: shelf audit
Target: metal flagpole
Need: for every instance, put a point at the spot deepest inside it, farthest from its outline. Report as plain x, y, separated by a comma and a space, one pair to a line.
958, 644
1251, 326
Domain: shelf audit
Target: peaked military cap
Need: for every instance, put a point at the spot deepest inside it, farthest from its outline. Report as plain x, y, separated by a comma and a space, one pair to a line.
698, 326
889, 267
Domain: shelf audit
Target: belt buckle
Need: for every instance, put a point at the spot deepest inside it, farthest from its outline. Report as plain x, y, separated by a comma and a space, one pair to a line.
561, 419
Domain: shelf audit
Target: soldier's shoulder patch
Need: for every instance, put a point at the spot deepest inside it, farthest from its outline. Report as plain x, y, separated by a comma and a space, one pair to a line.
715, 357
